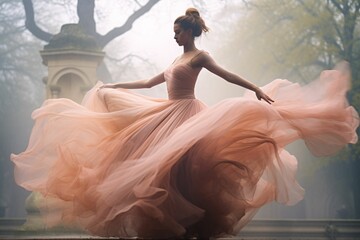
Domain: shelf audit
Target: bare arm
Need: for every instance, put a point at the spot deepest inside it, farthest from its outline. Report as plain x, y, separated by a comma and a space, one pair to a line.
204, 60
147, 83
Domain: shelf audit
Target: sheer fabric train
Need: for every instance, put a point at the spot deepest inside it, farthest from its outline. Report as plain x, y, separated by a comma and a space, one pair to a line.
123, 164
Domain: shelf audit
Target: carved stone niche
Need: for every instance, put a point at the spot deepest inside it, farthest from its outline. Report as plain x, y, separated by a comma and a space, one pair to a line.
72, 58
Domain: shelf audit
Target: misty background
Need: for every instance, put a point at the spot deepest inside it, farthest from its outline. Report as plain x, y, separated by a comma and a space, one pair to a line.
260, 40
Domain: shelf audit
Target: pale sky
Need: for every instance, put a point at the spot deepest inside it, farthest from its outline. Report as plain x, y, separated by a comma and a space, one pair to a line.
153, 33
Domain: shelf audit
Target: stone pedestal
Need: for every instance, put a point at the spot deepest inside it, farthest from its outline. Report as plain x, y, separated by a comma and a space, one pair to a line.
72, 58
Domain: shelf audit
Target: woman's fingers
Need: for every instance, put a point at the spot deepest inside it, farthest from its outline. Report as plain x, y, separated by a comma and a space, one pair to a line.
262, 95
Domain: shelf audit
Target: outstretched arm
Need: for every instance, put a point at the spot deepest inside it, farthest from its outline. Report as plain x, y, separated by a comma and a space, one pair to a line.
147, 83
204, 60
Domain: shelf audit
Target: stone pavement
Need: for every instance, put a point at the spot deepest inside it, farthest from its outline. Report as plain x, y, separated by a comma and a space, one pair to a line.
255, 230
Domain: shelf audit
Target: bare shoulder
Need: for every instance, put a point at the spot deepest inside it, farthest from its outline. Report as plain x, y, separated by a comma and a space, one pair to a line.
202, 59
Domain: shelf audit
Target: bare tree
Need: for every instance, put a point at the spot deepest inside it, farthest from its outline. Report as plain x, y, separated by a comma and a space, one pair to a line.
85, 12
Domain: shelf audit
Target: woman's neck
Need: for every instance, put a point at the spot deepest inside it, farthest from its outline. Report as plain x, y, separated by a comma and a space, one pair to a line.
190, 47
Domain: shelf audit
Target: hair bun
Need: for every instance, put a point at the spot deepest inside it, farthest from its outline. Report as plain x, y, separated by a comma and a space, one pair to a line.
192, 20
192, 12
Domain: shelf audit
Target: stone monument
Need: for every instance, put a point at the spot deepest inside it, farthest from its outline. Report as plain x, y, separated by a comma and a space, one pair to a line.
72, 58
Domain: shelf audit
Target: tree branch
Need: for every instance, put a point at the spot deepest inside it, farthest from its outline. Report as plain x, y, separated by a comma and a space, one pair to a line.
137, 2
85, 12
357, 8
335, 24
30, 23
308, 9
104, 40
128, 56
338, 6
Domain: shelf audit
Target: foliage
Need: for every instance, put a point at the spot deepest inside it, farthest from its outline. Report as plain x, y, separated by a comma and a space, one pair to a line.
290, 38
297, 39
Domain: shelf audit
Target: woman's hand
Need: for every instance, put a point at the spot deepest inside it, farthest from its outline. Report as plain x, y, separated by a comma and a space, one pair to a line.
261, 95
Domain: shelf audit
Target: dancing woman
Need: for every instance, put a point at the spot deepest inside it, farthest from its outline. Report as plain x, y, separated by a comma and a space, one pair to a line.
128, 165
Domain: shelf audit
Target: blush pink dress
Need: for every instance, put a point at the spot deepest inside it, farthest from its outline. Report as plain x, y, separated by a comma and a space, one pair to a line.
123, 164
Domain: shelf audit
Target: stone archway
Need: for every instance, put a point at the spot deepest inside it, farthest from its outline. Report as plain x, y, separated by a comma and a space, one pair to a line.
70, 87
69, 83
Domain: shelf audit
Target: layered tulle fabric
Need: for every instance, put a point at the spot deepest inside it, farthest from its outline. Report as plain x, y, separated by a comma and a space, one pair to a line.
122, 164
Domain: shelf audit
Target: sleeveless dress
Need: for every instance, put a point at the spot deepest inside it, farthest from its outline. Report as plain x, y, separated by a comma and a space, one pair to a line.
124, 164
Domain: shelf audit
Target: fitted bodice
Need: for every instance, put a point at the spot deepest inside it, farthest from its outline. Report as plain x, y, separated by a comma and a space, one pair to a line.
180, 81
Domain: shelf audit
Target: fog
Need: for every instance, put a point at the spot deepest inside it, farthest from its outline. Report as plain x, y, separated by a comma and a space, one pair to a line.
151, 42
152, 38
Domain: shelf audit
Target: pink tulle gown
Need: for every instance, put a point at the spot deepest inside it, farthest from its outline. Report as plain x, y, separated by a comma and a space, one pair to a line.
123, 164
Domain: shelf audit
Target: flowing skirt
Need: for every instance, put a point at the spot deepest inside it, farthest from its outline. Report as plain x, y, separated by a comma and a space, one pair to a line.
123, 164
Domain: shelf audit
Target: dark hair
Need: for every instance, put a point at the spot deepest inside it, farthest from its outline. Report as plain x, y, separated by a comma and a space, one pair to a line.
192, 20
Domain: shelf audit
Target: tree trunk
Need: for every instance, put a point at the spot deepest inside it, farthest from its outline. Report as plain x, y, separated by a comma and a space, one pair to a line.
85, 11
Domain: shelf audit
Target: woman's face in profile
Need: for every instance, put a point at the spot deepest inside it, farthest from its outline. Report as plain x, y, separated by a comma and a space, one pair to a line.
181, 36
